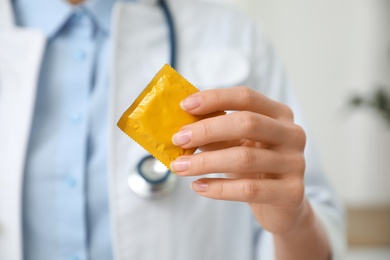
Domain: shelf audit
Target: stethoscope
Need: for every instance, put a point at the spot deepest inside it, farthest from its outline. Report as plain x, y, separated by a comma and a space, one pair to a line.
151, 179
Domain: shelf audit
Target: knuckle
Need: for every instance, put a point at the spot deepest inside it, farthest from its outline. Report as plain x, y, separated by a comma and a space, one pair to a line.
296, 164
247, 94
286, 112
204, 163
206, 129
300, 164
213, 96
247, 122
244, 158
298, 137
297, 191
249, 191
219, 189
300, 134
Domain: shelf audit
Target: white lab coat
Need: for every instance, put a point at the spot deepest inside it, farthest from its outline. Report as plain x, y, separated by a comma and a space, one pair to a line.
217, 47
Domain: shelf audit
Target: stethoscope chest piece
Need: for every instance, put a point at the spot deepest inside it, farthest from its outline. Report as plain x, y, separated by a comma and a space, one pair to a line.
151, 179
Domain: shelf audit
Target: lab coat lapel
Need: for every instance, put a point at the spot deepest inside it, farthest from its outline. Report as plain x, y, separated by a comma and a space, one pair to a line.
6, 15
20, 56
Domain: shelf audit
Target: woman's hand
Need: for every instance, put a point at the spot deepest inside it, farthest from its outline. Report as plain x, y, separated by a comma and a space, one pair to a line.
258, 147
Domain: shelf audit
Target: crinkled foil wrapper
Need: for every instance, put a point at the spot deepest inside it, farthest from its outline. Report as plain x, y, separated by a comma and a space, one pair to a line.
155, 116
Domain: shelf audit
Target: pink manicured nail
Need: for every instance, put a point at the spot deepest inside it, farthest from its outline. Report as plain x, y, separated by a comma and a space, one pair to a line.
180, 165
191, 102
199, 186
182, 137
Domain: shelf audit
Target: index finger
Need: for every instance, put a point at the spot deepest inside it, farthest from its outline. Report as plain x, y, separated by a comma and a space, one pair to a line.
235, 98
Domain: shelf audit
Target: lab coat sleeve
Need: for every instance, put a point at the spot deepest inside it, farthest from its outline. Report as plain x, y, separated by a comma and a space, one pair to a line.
270, 79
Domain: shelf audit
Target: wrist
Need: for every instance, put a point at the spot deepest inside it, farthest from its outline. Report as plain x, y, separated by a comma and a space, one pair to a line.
306, 240
305, 219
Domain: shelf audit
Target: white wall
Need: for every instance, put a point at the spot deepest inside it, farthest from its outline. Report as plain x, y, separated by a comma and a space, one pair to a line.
331, 48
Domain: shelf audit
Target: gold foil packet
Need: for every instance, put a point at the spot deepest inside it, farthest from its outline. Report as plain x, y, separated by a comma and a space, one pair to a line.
155, 116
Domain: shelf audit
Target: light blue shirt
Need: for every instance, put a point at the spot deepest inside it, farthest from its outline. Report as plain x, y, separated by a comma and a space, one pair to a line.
65, 200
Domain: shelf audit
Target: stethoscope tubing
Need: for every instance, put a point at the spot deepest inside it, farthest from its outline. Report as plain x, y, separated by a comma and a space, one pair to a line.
138, 181
171, 32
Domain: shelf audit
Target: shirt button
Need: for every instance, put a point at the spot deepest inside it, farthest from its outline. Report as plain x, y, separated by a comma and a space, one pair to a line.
79, 55
78, 15
75, 118
71, 183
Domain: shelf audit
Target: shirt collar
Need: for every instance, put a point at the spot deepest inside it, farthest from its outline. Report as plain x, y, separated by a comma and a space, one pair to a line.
50, 15
30, 14
101, 11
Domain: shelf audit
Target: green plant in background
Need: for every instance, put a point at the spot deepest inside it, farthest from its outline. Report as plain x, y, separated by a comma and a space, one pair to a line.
378, 101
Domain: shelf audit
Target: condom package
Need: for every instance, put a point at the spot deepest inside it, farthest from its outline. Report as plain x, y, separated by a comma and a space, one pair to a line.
156, 115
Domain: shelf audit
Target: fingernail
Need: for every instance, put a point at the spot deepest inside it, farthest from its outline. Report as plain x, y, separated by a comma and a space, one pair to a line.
180, 165
191, 102
182, 137
199, 186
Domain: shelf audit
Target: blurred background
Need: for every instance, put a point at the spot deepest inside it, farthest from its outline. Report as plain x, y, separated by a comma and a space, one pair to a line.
334, 50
